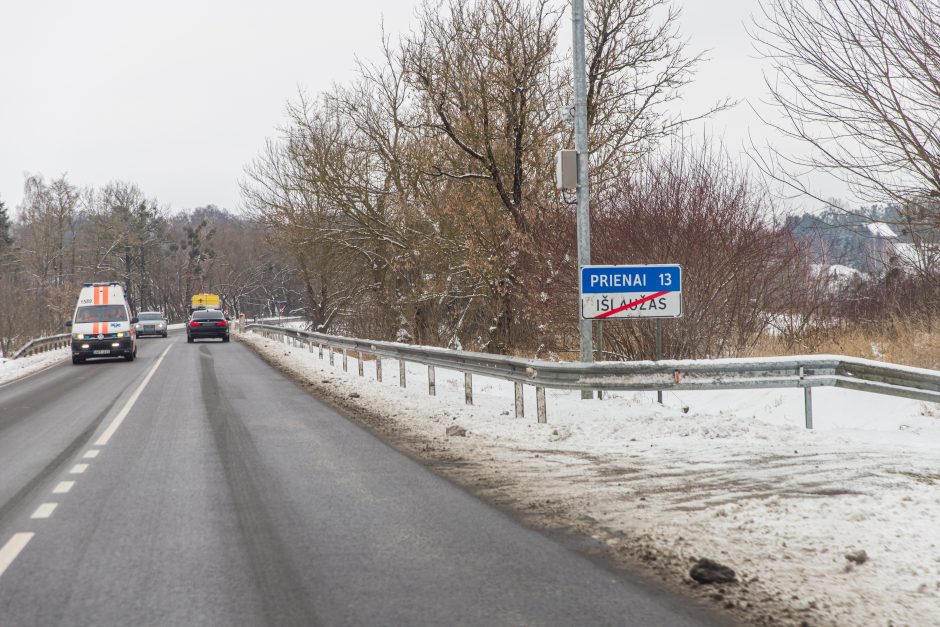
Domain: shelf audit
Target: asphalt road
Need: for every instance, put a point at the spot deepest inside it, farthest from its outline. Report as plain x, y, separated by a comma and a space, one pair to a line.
198, 486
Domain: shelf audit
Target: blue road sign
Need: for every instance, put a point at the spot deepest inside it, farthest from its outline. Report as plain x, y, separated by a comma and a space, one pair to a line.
653, 291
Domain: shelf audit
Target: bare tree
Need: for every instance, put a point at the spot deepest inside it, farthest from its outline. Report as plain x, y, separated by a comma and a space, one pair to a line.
859, 82
637, 64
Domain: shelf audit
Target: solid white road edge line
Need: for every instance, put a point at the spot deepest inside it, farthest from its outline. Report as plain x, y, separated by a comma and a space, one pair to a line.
12, 548
45, 510
63, 487
106, 436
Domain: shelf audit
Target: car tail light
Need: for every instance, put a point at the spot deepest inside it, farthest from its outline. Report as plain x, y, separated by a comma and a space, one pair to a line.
194, 324
221, 323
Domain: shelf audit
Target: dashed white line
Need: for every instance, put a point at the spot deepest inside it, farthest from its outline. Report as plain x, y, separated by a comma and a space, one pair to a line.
91, 453
78, 469
12, 549
106, 436
63, 487
44, 511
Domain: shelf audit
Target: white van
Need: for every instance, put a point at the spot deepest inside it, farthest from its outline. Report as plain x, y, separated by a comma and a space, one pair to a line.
102, 325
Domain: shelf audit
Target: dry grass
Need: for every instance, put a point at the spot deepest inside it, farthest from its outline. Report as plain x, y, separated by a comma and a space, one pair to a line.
913, 343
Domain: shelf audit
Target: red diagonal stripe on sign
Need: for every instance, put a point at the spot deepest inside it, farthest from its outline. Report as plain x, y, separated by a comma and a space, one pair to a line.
607, 314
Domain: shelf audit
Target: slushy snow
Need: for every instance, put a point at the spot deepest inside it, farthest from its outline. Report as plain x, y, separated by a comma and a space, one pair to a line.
732, 475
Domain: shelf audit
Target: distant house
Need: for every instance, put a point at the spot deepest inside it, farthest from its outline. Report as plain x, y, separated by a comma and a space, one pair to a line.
890, 253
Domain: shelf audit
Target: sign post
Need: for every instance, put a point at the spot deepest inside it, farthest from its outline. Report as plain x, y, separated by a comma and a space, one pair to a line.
632, 292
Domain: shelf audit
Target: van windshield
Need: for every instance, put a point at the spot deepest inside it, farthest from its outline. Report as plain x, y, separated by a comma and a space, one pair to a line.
101, 313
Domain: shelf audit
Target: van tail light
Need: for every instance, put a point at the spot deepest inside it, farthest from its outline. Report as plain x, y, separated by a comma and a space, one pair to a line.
221, 323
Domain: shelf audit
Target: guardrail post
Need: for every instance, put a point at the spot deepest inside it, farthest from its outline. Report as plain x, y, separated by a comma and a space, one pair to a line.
520, 408
320, 349
378, 368
808, 403
540, 404
359, 359
330, 348
310, 346
432, 386
345, 357
401, 373
468, 388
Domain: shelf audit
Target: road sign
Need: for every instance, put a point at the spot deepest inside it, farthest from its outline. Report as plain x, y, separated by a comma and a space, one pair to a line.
631, 292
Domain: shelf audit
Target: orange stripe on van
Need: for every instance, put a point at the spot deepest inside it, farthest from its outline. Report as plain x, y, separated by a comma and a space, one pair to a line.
94, 292
105, 328
104, 295
94, 327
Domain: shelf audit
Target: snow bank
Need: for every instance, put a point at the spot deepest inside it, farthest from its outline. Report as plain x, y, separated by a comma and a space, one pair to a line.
729, 475
11, 369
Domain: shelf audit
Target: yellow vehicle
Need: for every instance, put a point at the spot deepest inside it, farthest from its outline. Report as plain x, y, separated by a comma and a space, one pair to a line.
205, 301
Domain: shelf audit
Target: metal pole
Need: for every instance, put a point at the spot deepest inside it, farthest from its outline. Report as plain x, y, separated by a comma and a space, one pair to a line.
581, 146
600, 351
468, 388
540, 405
659, 353
808, 402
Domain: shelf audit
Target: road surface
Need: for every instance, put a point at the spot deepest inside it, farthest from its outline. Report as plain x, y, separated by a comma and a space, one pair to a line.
199, 486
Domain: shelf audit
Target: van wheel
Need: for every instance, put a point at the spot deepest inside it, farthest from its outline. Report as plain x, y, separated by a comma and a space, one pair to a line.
77, 360
131, 356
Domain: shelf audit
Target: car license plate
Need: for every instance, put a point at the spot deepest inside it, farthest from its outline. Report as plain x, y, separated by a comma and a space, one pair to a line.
150, 328
102, 352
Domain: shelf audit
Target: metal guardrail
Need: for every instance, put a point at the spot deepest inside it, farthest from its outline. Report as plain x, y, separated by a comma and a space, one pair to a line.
800, 371
43, 344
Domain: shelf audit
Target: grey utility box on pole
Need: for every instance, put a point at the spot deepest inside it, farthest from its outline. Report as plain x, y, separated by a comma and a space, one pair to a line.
566, 169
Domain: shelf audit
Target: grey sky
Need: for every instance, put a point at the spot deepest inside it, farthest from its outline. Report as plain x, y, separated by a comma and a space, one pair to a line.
178, 96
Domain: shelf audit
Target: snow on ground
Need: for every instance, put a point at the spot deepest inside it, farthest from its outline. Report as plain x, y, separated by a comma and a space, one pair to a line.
735, 478
11, 369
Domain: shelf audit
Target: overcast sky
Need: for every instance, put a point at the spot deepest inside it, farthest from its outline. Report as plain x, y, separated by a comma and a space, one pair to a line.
178, 96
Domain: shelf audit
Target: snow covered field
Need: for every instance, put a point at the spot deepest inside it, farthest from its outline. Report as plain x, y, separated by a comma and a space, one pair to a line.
735, 478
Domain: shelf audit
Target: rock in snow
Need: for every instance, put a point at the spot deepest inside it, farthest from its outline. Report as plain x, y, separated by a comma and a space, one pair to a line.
456, 431
859, 557
708, 571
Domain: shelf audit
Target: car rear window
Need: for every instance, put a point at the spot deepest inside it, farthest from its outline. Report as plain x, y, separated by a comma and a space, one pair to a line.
208, 315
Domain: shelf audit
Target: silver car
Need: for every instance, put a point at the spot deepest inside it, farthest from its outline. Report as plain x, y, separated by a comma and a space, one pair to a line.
151, 323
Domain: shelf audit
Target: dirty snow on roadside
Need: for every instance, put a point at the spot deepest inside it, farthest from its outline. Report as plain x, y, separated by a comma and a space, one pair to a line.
732, 476
11, 369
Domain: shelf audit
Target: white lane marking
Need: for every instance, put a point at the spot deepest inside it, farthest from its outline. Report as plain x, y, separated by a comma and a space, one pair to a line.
63, 487
78, 469
45, 510
106, 436
12, 548
91, 453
